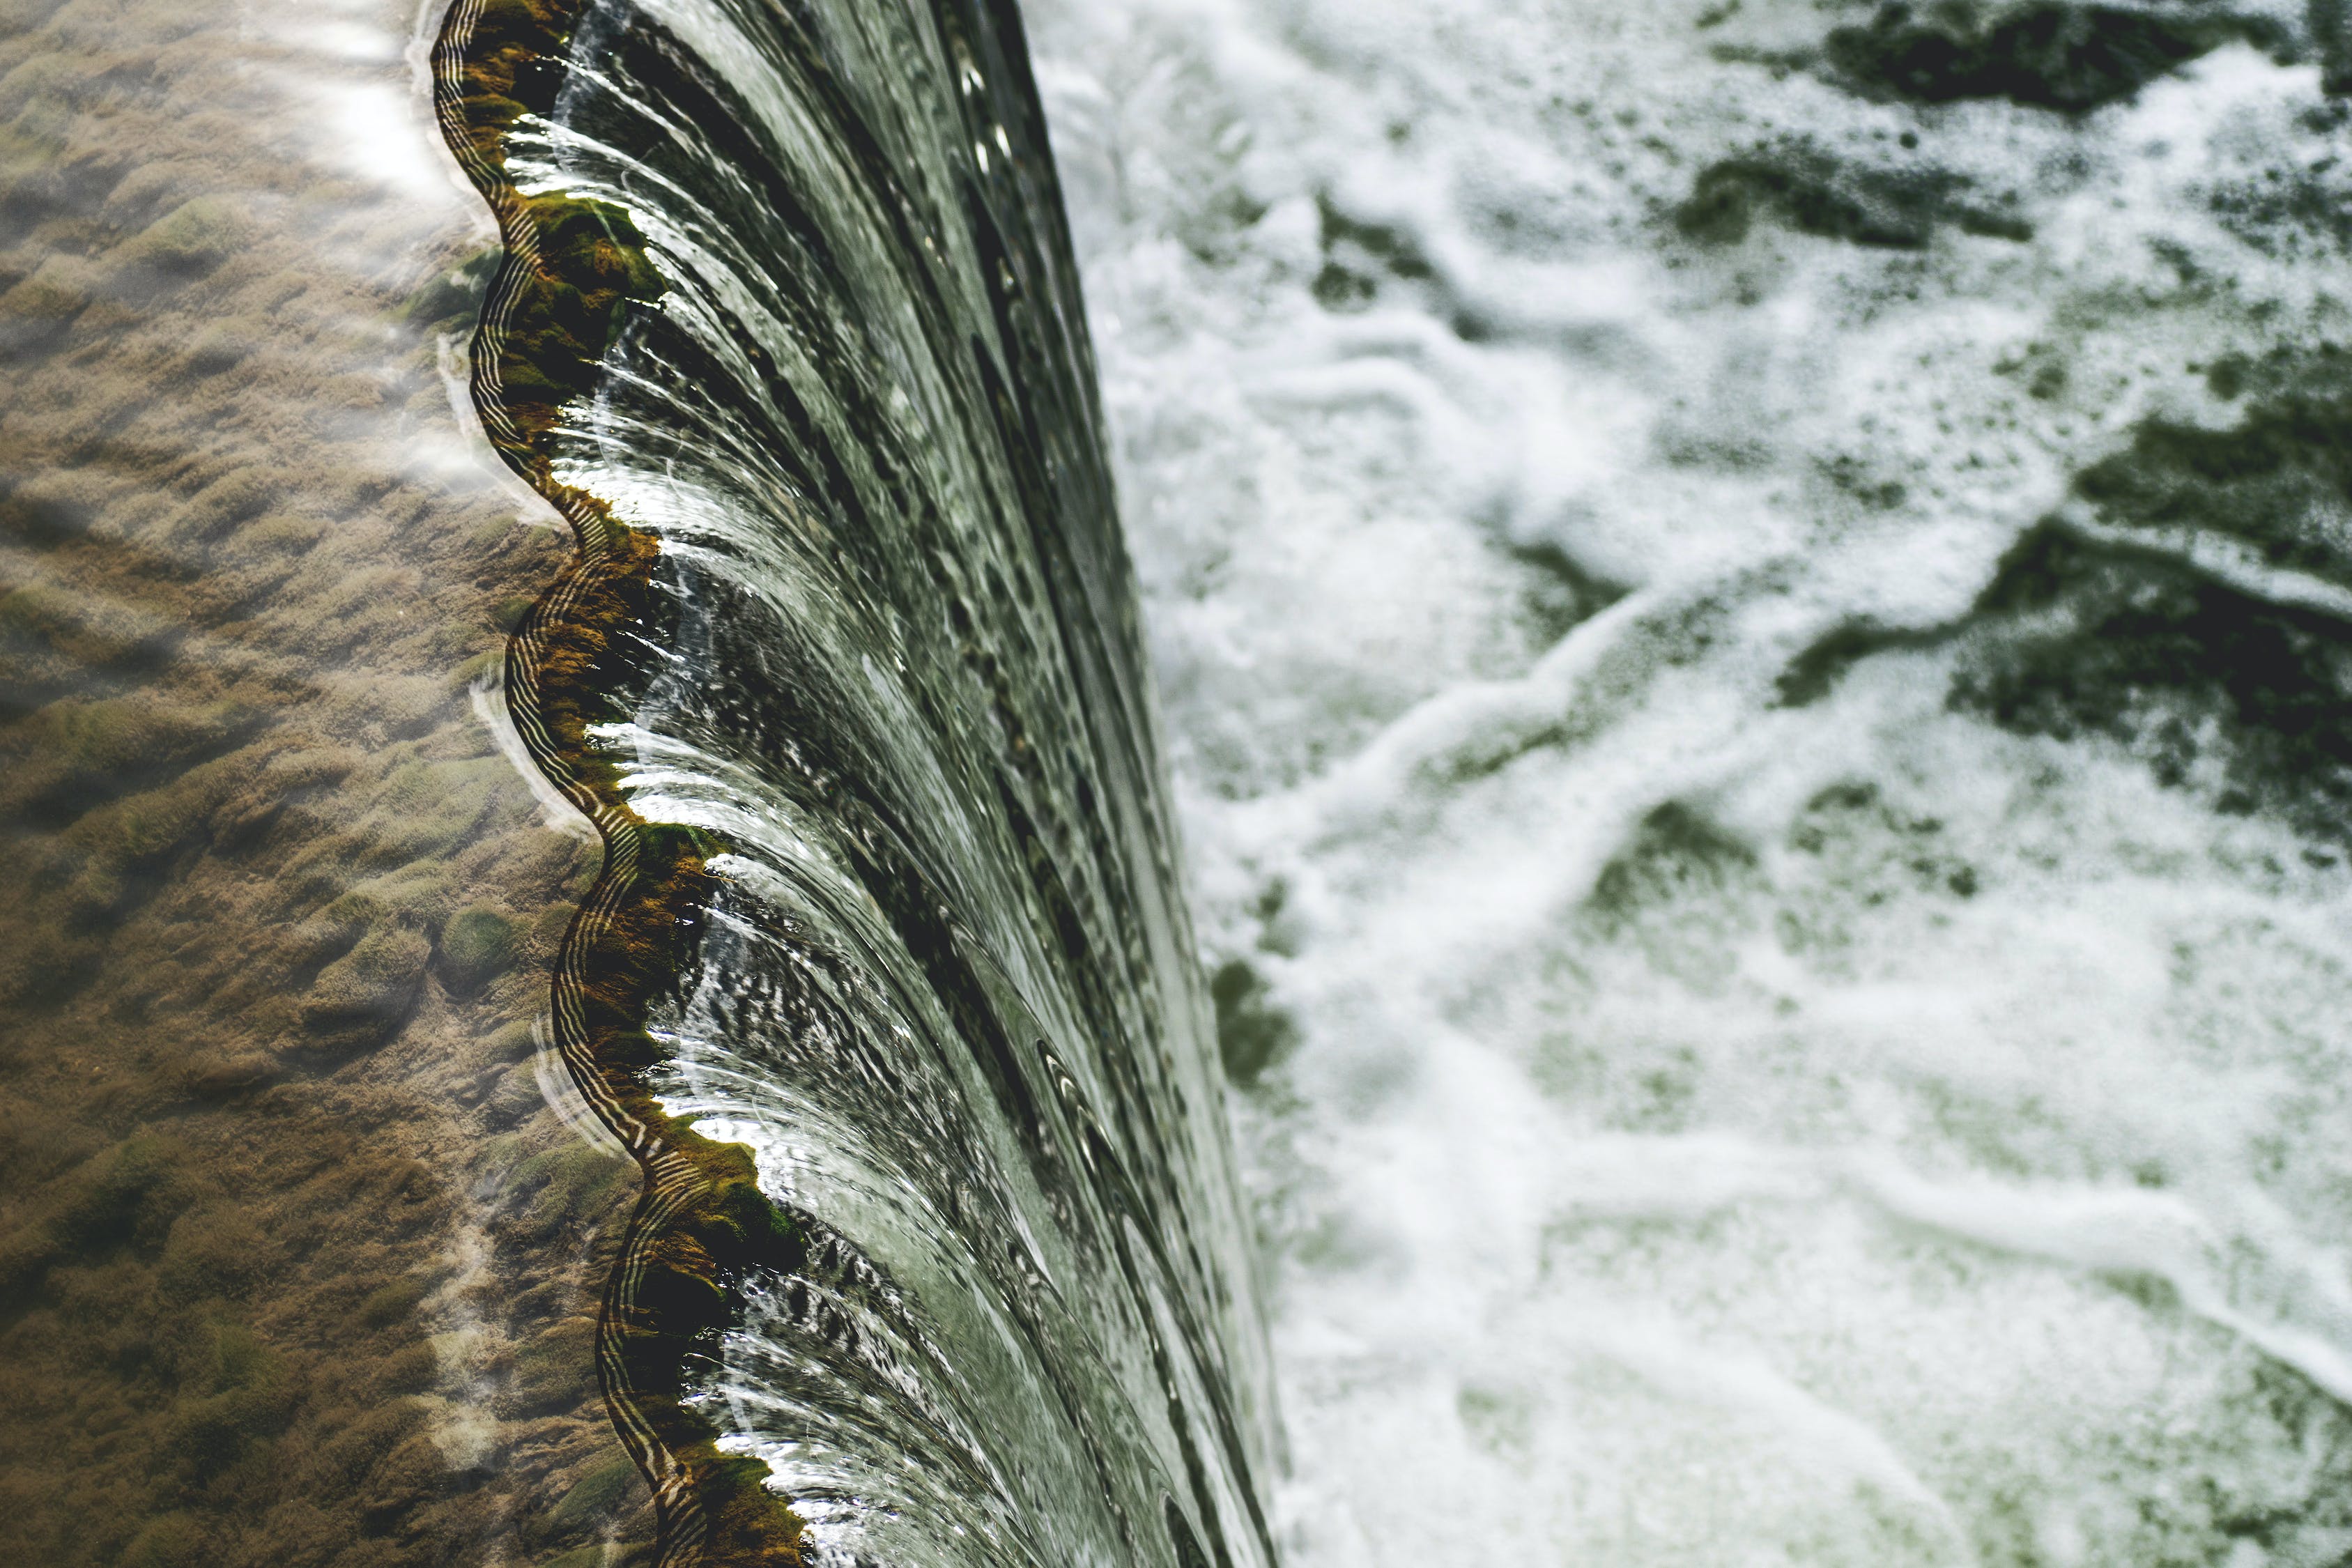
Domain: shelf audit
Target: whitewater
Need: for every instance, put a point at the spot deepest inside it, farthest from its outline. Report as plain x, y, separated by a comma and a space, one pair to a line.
1766, 829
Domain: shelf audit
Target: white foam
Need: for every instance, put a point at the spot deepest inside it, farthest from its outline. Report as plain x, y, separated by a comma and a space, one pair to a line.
1936, 1168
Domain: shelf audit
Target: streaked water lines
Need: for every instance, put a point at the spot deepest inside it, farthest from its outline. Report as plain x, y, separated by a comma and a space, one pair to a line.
791, 331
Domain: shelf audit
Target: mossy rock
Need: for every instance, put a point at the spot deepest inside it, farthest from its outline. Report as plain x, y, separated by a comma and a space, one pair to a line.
346, 1458
367, 993
228, 501
211, 1251
174, 1540
600, 1497
417, 896
409, 1478
507, 1045
555, 1370
84, 752
453, 298
190, 241
124, 1193
39, 310
478, 945
598, 1556
565, 1185
478, 667
46, 78
411, 1371
391, 1303
234, 1395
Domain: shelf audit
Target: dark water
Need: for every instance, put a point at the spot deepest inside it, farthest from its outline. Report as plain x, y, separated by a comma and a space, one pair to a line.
886, 680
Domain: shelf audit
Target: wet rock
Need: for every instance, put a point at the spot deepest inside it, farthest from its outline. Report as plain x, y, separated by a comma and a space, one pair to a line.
477, 944
2246, 702
215, 1250
365, 994
174, 1540
185, 243
555, 1370
37, 313
393, 1302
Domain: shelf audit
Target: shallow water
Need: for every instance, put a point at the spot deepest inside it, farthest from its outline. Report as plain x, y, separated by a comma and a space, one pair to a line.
1753, 639
297, 1266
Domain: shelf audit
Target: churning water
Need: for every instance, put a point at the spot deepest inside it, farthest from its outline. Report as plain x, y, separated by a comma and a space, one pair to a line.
1752, 602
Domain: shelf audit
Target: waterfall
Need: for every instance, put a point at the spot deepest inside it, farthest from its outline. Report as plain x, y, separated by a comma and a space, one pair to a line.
888, 982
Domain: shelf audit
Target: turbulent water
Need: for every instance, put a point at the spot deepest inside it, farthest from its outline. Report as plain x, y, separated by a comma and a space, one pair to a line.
946, 993
1752, 604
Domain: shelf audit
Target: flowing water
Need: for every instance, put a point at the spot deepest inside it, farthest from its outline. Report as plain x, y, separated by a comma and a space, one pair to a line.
1747, 602
942, 986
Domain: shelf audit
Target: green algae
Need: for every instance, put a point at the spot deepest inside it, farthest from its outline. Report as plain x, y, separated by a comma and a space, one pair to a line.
477, 946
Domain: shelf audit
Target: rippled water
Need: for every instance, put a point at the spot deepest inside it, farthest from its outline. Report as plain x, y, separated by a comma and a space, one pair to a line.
1751, 601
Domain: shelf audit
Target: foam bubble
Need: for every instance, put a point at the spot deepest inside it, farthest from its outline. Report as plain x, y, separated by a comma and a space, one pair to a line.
1760, 1088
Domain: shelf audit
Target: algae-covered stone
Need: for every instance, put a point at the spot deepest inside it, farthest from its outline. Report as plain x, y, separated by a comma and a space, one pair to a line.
405, 1479
501, 1048
390, 1303
174, 1540
476, 946
39, 310
556, 1370
228, 501
563, 1186
215, 1250
190, 241
595, 1556
364, 996
233, 1396
605, 1493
